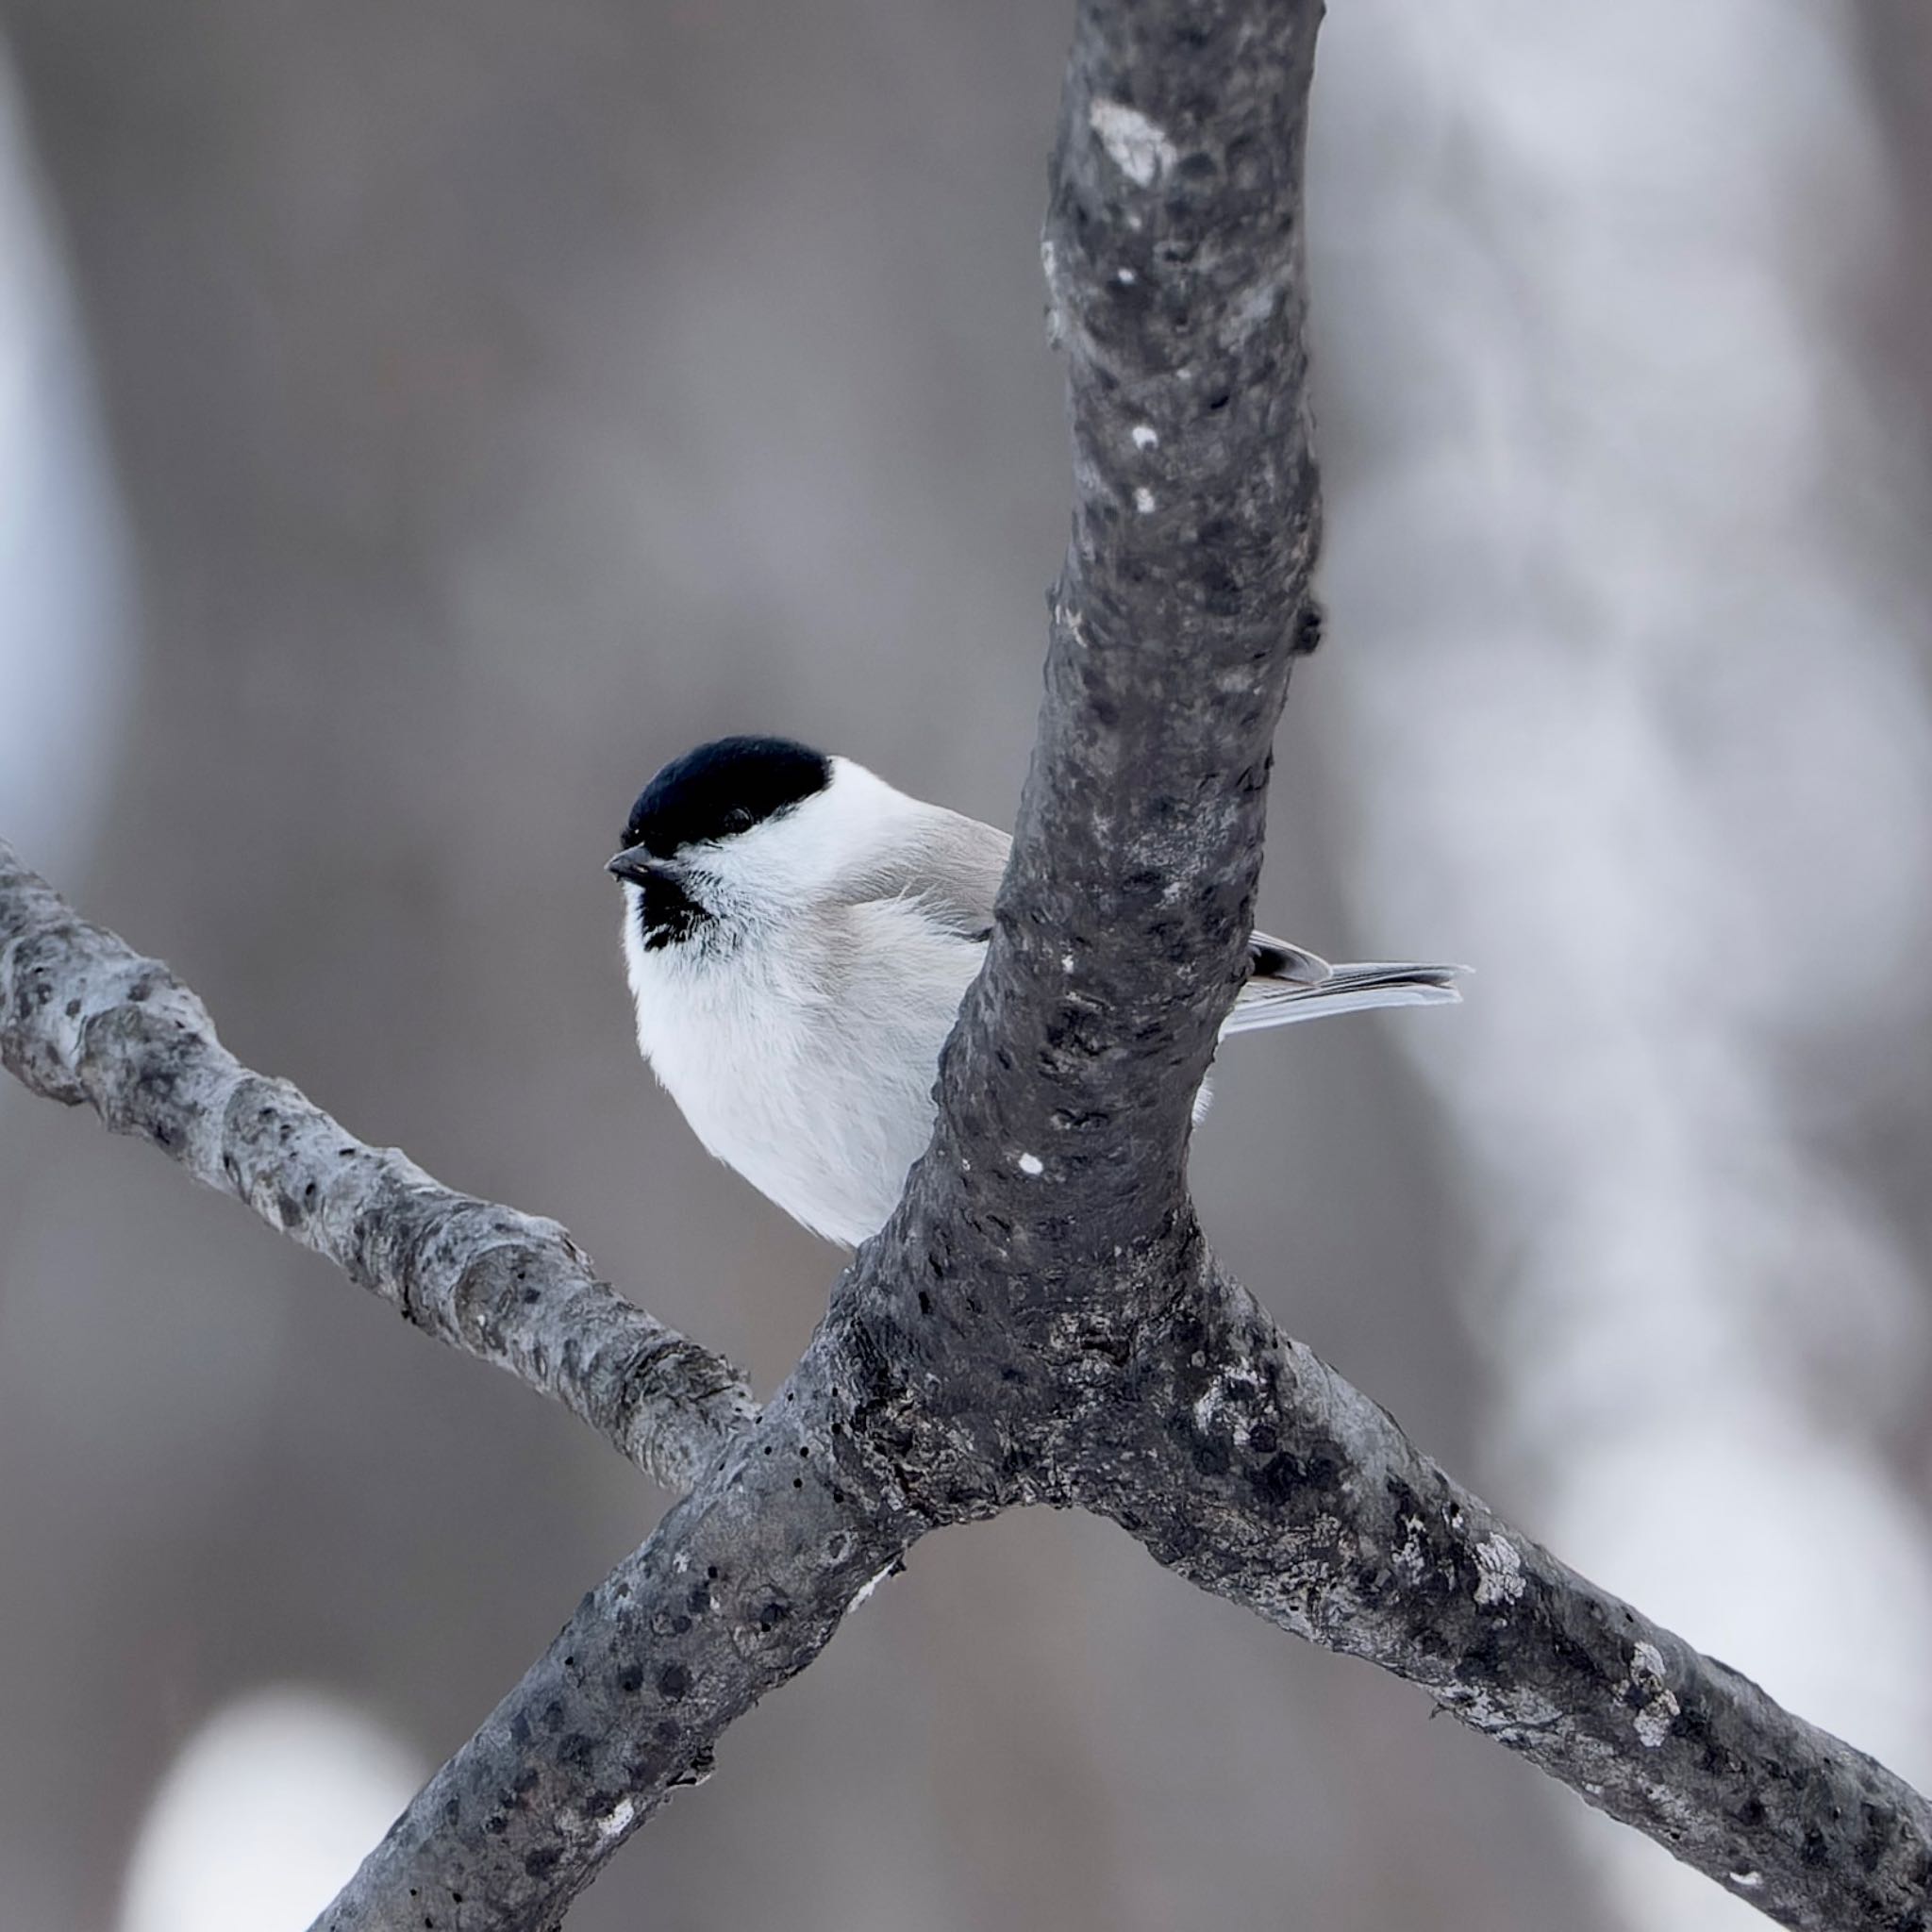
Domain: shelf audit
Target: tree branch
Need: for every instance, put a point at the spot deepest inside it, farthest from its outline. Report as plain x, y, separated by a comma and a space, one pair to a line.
84, 1018
1275, 1484
1041, 1321
739, 1588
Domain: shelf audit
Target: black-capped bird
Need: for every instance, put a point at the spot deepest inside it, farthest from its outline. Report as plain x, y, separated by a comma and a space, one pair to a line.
799, 935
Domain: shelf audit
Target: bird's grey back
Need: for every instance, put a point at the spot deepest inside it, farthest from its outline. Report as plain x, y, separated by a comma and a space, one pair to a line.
950, 864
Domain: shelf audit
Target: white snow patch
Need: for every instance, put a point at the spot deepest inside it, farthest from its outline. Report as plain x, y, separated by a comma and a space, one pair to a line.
1125, 277
1500, 1572
1032, 1166
1066, 962
865, 1590
265, 1814
1747, 1881
1143, 500
1135, 145
67, 636
1145, 436
617, 1823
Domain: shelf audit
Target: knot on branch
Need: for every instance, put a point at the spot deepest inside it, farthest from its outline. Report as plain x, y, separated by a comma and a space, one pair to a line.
84, 1022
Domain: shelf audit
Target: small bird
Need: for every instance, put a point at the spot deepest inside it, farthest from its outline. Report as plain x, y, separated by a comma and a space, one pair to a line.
798, 937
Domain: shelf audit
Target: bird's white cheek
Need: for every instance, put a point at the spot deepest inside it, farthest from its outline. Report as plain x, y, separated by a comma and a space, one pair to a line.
631, 939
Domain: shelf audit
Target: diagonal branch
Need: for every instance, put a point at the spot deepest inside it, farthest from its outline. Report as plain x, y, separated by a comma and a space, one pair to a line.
1273, 1483
1242, 1462
739, 1588
84, 1018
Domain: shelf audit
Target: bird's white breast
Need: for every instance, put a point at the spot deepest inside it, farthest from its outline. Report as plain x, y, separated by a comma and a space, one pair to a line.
804, 1055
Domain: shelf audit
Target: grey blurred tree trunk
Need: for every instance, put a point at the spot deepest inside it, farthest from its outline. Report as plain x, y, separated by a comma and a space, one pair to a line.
1687, 828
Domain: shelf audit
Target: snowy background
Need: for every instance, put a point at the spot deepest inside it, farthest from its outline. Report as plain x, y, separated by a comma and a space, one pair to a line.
417, 423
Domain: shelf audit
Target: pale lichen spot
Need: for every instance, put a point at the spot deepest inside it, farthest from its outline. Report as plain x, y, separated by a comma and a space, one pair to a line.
1254, 308
1656, 1702
1125, 277
1408, 1563
1654, 1721
1224, 1400
1066, 962
1143, 500
1499, 1572
1145, 436
1747, 1881
618, 1819
1031, 1165
1135, 145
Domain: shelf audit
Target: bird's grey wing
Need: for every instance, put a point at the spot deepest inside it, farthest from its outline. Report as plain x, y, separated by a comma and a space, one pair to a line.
951, 868
1290, 983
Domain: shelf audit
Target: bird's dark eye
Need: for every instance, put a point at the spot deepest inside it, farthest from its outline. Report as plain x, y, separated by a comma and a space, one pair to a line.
737, 819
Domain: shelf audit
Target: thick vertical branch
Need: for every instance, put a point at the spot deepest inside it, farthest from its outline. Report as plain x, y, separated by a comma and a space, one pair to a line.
1175, 268
975, 1334
1174, 261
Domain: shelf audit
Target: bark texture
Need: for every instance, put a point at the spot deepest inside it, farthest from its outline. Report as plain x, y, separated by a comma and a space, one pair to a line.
85, 1019
1041, 1321
1278, 1486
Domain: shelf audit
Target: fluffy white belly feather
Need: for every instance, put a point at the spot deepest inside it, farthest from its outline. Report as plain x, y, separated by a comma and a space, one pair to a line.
813, 1082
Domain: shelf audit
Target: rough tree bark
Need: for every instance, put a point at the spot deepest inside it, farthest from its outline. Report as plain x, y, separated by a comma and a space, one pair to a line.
89, 1019
1041, 1321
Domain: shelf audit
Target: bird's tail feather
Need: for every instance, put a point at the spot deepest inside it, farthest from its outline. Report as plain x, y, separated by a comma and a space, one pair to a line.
1266, 1001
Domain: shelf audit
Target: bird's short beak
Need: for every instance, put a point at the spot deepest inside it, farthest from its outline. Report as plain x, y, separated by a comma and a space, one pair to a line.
637, 865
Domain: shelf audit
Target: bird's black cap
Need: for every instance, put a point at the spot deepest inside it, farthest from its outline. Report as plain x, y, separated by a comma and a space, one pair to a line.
722, 788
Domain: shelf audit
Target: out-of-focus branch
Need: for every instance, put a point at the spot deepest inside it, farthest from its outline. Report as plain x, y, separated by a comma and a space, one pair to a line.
84, 1018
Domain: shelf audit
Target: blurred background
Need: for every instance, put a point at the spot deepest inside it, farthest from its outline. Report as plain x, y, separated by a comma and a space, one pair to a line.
417, 423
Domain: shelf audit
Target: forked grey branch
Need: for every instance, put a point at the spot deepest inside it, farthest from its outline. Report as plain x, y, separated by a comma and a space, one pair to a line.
85, 1019
1041, 1320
